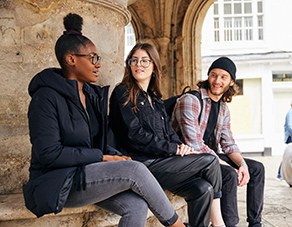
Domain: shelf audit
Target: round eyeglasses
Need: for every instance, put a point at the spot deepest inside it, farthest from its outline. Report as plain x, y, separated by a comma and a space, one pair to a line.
145, 63
94, 57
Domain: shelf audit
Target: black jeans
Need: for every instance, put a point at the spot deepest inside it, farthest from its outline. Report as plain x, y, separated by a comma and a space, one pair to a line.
254, 196
196, 178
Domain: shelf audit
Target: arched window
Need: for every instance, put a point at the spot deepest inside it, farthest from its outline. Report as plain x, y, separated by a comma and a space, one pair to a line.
130, 39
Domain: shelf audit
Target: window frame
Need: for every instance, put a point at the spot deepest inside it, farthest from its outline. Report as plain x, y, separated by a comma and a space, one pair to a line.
227, 27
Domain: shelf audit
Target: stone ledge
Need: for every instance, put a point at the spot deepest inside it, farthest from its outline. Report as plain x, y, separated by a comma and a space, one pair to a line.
14, 213
12, 208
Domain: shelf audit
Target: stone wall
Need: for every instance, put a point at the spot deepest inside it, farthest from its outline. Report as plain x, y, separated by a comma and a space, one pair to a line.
28, 32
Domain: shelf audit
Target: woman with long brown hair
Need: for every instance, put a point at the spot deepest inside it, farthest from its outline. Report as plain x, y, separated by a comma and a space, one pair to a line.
143, 131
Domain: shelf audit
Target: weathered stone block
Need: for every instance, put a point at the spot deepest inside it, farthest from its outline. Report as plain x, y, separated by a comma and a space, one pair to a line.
28, 32
13, 213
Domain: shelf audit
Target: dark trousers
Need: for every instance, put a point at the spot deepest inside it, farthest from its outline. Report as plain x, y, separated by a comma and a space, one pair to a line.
254, 196
196, 178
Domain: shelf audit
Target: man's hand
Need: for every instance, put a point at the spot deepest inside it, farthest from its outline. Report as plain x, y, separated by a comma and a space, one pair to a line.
243, 175
112, 158
242, 171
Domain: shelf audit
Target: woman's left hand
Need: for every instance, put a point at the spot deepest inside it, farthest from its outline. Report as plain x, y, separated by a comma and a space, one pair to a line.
184, 149
112, 158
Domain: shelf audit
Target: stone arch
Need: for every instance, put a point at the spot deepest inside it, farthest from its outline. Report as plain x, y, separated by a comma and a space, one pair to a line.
174, 27
188, 44
139, 31
136, 24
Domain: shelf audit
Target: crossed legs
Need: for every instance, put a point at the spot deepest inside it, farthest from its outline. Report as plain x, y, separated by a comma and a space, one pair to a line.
126, 188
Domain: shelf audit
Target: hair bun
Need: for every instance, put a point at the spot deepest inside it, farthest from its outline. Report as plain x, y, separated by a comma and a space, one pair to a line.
73, 24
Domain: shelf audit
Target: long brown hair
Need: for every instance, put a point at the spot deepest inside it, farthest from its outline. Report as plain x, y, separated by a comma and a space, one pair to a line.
227, 96
132, 84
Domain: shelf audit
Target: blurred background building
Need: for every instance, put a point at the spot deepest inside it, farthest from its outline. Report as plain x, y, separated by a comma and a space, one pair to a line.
256, 34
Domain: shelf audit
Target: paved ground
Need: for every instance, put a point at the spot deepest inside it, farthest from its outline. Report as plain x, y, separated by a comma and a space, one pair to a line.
278, 197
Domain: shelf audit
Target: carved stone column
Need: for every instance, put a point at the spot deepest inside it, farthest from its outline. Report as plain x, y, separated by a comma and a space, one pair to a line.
165, 65
28, 32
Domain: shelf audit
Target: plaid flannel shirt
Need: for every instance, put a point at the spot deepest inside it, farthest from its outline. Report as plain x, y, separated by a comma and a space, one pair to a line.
185, 121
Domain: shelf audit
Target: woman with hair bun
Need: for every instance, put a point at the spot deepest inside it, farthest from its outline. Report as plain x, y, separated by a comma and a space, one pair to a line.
71, 163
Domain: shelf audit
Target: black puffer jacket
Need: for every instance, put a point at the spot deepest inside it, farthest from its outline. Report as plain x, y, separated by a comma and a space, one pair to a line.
145, 134
60, 135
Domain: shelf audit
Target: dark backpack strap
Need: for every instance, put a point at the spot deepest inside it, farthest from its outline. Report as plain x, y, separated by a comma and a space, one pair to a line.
170, 102
198, 95
186, 89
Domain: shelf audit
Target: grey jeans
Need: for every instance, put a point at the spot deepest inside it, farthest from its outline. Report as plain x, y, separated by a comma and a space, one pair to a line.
126, 188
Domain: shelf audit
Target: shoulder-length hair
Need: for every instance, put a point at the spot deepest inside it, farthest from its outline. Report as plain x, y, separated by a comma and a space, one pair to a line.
132, 84
227, 96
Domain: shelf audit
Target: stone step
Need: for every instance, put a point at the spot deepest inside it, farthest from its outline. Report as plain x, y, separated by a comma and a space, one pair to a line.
13, 213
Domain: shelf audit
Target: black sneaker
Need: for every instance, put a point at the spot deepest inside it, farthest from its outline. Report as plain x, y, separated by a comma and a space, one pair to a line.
255, 225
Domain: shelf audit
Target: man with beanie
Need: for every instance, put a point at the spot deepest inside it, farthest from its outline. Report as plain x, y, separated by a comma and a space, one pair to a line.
211, 129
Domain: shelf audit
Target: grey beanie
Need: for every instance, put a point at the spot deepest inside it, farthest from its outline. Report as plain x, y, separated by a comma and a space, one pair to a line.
226, 64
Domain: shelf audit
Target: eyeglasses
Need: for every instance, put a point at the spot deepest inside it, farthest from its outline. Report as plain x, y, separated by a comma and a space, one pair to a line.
145, 63
94, 57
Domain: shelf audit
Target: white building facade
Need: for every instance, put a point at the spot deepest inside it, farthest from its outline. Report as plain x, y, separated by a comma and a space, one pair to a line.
257, 36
